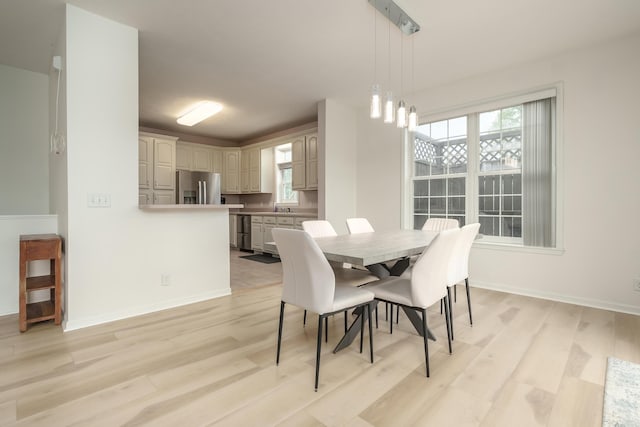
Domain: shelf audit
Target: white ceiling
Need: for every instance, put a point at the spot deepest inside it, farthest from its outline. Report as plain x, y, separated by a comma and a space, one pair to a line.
270, 62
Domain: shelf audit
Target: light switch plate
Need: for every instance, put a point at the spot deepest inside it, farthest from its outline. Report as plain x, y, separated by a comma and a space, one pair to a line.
99, 200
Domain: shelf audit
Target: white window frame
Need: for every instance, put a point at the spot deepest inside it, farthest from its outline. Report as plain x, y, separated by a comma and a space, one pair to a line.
472, 110
278, 179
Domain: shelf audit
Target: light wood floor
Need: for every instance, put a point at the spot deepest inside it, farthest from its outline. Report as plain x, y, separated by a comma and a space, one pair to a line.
524, 362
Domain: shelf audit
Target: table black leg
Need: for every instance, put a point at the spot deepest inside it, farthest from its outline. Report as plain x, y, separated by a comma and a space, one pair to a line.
354, 329
399, 267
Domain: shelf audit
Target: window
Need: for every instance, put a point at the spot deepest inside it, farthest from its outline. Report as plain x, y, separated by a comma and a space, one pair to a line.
285, 193
491, 166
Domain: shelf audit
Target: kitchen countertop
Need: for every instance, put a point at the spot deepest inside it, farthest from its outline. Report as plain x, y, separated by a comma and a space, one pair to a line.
267, 213
189, 207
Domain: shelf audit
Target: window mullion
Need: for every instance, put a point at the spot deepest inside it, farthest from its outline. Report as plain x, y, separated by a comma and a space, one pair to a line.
473, 160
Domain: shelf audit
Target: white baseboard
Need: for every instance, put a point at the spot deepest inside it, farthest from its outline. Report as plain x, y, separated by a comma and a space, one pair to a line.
587, 302
71, 325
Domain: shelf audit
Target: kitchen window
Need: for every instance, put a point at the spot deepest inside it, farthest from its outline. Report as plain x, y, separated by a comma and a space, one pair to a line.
493, 166
285, 195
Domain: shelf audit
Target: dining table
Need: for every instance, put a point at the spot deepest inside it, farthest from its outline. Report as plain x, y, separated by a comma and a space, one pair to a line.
377, 248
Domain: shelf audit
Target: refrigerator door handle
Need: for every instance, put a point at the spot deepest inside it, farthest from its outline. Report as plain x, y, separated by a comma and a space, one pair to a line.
204, 185
199, 192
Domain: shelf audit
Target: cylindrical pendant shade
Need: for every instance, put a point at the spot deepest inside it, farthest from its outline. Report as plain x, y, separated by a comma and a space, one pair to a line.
389, 110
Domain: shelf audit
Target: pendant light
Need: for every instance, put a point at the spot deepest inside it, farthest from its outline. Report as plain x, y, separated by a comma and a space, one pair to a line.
413, 116
376, 104
389, 107
401, 116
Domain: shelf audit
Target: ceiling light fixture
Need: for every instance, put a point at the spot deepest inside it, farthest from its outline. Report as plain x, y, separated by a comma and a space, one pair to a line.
376, 104
407, 26
200, 112
413, 115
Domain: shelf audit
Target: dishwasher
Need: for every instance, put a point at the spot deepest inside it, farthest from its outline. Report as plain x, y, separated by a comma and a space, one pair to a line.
243, 229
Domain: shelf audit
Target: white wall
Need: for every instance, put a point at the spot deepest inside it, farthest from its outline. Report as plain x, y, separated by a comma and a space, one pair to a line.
24, 170
337, 139
601, 150
116, 256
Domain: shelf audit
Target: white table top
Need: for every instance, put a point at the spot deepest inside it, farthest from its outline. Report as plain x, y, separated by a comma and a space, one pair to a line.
373, 248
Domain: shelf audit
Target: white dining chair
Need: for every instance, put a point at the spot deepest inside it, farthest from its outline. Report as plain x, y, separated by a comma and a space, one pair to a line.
309, 283
426, 285
343, 272
362, 225
439, 224
359, 225
459, 265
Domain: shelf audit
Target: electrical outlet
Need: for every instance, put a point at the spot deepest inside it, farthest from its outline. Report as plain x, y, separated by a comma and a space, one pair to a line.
165, 280
636, 284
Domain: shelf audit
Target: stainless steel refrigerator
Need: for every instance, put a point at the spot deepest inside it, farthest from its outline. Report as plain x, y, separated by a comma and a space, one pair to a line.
197, 188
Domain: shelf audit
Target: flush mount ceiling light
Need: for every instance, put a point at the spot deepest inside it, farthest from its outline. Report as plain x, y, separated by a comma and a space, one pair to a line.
200, 112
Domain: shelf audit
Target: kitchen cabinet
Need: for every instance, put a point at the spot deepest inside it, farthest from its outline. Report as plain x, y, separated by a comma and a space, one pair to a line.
184, 153
145, 197
145, 162
299, 220
269, 223
304, 162
216, 161
244, 171
196, 157
201, 158
164, 197
256, 233
164, 164
257, 174
311, 159
156, 169
231, 172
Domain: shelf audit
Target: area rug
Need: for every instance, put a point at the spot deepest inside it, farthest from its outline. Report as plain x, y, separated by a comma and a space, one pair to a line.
265, 259
621, 394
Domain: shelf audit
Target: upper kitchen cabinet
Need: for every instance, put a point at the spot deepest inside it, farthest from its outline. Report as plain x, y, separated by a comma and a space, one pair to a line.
145, 162
231, 171
156, 168
304, 162
311, 158
164, 164
198, 157
256, 172
201, 158
184, 154
217, 161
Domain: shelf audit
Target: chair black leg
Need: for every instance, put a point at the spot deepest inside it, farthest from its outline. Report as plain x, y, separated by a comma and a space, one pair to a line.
280, 331
448, 302
398, 314
386, 311
318, 348
426, 339
370, 332
376, 316
362, 328
448, 321
345, 321
304, 318
326, 329
466, 284
440, 306
391, 322
455, 293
